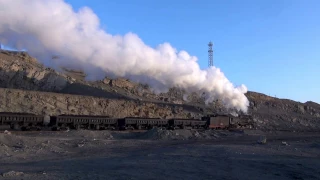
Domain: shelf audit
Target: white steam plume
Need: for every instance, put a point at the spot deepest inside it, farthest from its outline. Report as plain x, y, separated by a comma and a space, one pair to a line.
51, 27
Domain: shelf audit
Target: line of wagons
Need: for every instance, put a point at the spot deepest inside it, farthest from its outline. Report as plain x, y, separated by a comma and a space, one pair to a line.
21, 121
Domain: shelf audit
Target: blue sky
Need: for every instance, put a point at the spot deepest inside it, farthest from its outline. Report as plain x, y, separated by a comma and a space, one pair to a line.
270, 46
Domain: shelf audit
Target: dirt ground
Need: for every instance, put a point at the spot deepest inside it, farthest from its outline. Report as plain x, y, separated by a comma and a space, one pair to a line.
159, 154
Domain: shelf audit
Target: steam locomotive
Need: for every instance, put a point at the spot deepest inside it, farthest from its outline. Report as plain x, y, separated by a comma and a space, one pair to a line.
19, 121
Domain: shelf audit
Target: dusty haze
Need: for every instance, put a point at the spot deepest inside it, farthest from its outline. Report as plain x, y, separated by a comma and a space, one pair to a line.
52, 28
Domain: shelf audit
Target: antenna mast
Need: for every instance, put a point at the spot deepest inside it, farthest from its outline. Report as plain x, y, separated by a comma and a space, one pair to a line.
210, 54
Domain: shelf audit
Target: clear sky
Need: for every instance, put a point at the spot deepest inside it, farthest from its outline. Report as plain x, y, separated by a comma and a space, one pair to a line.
270, 46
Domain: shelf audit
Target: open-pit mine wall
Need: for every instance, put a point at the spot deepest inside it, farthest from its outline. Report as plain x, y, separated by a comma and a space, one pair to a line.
45, 103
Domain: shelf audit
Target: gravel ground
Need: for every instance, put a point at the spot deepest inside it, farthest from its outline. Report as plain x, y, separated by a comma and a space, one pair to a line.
159, 154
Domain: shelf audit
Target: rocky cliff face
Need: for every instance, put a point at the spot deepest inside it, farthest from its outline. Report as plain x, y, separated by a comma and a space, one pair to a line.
19, 70
120, 97
284, 114
13, 100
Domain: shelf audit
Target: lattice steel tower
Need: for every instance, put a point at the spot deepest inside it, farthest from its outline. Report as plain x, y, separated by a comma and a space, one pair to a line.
210, 54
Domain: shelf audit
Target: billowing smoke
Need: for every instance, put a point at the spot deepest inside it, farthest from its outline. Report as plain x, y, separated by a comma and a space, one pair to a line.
47, 28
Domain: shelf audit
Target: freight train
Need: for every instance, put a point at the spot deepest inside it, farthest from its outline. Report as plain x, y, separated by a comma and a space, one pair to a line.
21, 121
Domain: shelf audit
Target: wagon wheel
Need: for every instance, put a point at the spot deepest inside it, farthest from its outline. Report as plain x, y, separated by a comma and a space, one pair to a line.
55, 128
77, 126
15, 126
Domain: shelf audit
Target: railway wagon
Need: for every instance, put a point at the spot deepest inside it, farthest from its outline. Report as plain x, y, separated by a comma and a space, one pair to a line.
22, 121
141, 123
186, 123
244, 121
217, 121
81, 121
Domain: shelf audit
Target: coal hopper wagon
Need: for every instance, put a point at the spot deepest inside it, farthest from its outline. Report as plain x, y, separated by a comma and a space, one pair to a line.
23, 121
186, 124
83, 122
142, 123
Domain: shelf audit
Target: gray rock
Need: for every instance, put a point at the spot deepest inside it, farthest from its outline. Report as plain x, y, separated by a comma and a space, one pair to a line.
7, 132
12, 173
262, 140
284, 143
300, 109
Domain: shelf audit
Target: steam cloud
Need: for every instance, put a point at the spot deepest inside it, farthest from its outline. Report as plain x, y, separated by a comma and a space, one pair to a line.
46, 28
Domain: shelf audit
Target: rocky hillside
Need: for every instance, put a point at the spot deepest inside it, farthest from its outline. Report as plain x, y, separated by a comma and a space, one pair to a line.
13, 100
19, 70
120, 97
284, 114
